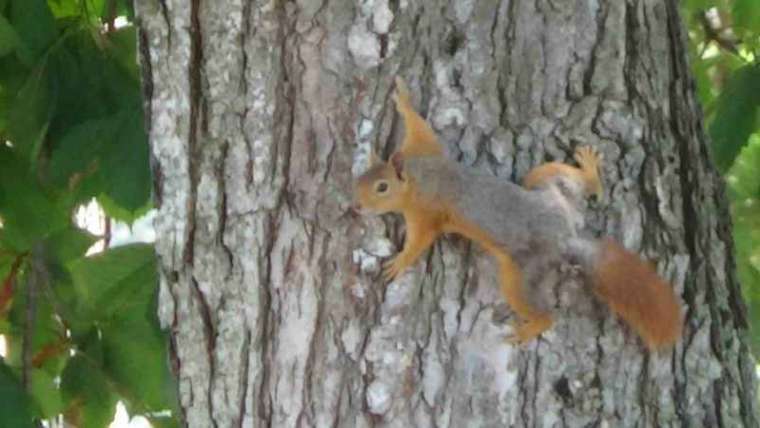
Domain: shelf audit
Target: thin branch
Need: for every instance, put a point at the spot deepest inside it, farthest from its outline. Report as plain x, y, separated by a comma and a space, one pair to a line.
106, 232
35, 280
6, 292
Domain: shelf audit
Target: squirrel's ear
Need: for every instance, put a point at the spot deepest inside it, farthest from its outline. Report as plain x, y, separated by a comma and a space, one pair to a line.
397, 161
374, 159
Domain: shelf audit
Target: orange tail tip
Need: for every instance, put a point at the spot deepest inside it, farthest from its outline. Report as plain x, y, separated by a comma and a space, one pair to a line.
635, 292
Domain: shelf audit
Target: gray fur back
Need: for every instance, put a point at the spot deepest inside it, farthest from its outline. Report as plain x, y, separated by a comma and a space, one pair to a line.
527, 221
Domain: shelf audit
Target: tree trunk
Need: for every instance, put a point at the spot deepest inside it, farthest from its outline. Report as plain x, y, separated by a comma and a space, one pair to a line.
260, 113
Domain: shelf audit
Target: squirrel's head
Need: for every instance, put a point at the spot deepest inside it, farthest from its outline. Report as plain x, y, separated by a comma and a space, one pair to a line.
383, 187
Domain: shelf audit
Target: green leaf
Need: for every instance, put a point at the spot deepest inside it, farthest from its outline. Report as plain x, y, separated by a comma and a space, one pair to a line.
13, 76
744, 176
95, 9
113, 210
744, 190
123, 48
701, 68
48, 329
69, 244
79, 149
135, 357
76, 70
736, 115
14, 404
29, 118
127, 8
7, 257
63, 247
746, 15
123, 8
99, 116
89, 399
112, 157
692, 7
45, 394
119, 281
64, 8
35, 26
8, 37
698, 4
120, 287
126, 162
89, 82
164, 421
30, 218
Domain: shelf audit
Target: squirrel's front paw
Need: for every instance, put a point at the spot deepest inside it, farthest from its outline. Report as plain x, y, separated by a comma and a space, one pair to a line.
393, 268
589, 156
529, 330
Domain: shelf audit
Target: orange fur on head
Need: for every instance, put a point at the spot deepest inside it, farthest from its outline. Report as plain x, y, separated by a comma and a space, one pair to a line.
383, 188
635, 292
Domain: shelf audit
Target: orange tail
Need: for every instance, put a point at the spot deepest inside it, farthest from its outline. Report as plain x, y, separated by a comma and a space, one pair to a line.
635, 292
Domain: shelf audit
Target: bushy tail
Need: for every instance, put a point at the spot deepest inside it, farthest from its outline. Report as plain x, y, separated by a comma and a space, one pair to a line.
635, 292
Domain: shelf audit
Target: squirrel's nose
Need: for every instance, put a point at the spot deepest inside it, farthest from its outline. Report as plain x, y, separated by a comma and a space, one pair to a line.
356, 208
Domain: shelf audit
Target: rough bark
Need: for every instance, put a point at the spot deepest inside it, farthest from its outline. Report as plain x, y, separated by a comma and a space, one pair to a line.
260, 113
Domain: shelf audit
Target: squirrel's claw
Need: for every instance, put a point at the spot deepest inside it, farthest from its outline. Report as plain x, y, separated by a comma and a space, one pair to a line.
590, 161
529, 330
392, 269
588, 156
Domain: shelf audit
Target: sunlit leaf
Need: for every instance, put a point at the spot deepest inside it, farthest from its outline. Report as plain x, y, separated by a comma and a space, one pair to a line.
136, 359
119, 281
736, 115
746, 14
744, 189
69, 243
45, 394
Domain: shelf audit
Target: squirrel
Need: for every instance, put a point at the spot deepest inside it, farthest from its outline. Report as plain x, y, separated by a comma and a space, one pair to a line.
520, 227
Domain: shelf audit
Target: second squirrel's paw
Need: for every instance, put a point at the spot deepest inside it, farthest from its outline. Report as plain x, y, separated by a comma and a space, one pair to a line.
393, 268
590, 161
588, 157
529, 330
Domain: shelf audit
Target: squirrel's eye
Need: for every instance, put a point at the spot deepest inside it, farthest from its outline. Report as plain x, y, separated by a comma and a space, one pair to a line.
381, 187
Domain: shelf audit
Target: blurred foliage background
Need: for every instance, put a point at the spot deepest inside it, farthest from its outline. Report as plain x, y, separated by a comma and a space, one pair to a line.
724, 46
77, 317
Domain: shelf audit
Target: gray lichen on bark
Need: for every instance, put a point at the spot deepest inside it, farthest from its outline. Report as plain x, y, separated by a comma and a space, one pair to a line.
262, 112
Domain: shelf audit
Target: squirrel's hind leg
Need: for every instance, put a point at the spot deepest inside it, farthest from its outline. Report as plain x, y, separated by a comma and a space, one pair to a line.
534, 322
587, 172
545, 173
